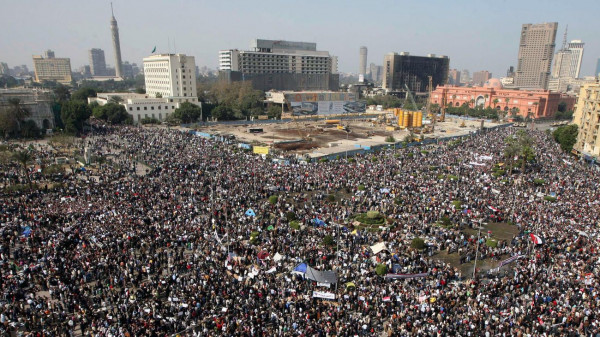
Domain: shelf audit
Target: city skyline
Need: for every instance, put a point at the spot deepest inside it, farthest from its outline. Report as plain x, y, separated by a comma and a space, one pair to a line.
477, 36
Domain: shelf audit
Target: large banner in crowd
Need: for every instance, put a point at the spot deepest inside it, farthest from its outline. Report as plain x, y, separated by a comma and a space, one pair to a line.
330, 103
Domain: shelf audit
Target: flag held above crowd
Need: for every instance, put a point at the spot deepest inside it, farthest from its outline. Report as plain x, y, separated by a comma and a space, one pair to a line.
538, 240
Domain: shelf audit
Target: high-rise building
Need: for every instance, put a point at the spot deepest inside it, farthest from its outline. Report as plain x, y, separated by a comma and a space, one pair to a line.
4, 70
114, 29
170, 75
52, 69
375, 73
576, 48
536, 49
280, 65
480, 77
402, 70
597, 73
362, 68
454, 77
586, 118
49, 54
97, 62
465, 76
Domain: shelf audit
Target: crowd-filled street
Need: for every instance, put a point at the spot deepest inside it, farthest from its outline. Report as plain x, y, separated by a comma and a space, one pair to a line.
193, 243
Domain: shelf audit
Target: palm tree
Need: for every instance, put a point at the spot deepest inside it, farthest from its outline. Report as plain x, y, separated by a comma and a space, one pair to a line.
115, 99
23, 158
486, 96
496, 102
472, 101
510, 151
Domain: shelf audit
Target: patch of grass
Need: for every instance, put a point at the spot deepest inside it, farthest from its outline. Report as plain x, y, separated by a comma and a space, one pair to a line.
361, 187
351, 160
381, 269
390, 139
328, 240
452, 177
549, 198
491, 243
538, 181
417, 243
424, 151
504, 181
441, 176
398, 201
410, 155
323, 160
295, 224
457, 204
365, 219
273, 199
290, 216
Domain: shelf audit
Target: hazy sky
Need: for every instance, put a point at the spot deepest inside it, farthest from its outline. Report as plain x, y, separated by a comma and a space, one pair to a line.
475, 34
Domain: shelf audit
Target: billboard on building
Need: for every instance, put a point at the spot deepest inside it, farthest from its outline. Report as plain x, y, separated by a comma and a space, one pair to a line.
326, 103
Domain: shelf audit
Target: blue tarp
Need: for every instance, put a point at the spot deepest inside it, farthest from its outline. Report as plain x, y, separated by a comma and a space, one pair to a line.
326, 276
250, 212
319, 222
301, 268
27, 231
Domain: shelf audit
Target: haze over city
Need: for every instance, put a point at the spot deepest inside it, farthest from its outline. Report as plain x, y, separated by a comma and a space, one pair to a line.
475, 35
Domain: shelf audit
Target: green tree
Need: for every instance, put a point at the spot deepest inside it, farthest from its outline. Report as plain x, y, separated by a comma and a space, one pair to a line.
511, 150
61, 92
417, 243
140, 90
23, 157
83, 93
115, 99
74, 114
158, 95
113, 113
222, 112
566, 136
187, 112
274, 111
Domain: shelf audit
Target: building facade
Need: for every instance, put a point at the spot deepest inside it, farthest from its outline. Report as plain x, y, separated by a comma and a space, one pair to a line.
362, 66
587, 118
375, 73
142, 106
536, 49
37, 102
170, 75
454, 77
4, 70
526, 103
567, 61
597, 73
280, 65
480, 77
52, 69
97, 62
414, 71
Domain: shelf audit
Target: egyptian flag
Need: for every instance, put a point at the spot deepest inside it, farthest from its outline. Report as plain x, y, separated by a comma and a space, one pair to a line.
536, 239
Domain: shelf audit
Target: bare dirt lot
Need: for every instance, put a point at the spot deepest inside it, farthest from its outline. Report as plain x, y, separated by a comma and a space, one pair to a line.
317, 138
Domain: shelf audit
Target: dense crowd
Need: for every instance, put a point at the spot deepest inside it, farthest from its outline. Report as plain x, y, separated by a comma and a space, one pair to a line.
171, 249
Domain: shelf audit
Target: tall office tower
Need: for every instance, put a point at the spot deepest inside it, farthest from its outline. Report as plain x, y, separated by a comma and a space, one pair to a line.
116, 44
536, 48
480, 77
465, 76
454, 77
49, 54
97, 62
362, 68
170, 75
4, 70
576, 48
404, 70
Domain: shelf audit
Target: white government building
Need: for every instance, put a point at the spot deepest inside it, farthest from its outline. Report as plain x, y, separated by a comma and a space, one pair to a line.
170, 80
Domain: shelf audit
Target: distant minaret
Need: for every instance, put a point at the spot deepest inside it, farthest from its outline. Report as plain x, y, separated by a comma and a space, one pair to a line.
116, 44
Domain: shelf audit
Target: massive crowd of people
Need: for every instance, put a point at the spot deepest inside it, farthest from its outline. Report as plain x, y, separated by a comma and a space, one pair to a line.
172, 249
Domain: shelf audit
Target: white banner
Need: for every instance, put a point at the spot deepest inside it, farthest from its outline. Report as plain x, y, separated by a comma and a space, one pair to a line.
322, 294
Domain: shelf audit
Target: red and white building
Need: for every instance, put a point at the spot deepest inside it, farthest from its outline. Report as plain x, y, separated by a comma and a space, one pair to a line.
535, 103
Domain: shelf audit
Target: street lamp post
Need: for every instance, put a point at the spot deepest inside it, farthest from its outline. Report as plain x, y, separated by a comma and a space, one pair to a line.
477, 251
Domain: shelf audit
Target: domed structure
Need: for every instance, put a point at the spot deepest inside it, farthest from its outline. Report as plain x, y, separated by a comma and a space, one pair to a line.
493, 83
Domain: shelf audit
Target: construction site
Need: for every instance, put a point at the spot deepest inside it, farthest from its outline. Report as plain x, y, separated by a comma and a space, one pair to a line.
319, 136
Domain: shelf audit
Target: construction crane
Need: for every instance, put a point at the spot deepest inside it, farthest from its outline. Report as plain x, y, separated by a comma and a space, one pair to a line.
431, 114
410, 96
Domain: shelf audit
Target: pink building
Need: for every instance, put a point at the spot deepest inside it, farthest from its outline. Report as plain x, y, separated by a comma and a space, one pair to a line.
536, 103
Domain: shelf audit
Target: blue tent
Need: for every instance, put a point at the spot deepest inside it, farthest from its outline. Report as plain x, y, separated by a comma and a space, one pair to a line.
250, 212
301, 268
319, 222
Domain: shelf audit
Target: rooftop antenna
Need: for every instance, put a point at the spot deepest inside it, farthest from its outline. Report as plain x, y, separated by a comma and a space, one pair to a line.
564, 45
